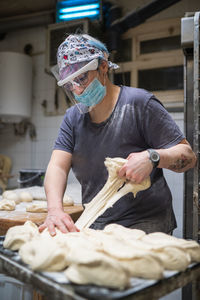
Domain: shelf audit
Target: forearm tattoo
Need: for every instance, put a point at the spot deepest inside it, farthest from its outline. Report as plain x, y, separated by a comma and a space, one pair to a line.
180, 163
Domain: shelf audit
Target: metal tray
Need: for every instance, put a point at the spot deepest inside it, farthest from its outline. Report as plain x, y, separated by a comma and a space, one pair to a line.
56, 286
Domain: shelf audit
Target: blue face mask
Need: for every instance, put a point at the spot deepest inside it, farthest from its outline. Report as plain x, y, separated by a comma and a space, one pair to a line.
93, 93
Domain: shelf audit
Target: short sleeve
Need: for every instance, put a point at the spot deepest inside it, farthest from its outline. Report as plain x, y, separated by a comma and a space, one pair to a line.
65, 140
159, 129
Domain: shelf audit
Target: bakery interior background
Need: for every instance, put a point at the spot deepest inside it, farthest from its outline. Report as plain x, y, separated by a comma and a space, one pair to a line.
30, 115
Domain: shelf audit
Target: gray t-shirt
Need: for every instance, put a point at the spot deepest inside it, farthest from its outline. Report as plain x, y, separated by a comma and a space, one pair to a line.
138, 122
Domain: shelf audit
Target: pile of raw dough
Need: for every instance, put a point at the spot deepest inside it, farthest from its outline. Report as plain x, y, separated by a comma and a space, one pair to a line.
17, 197
107, 258
114, 189
6, 204
11, 198
18, 235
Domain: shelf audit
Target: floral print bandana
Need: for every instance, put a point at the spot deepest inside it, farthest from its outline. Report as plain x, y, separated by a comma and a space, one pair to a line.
79, 48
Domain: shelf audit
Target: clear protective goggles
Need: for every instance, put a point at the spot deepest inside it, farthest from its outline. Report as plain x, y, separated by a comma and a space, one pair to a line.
77, 78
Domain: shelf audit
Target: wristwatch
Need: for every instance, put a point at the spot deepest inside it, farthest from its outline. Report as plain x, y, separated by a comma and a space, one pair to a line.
154, 157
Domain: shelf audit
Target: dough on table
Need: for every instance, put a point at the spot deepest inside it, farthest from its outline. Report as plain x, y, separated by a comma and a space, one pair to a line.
67, 201
5, 194
39, 195
6, 204
146, 266
25, 197
37, 207
173, 258
125, 233
44, 254
10, 195
102, 271
18, 235
76, 241
137, 263
107, 257
163, 239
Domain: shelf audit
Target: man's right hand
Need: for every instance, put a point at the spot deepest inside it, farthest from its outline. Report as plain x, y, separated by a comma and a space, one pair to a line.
58, 218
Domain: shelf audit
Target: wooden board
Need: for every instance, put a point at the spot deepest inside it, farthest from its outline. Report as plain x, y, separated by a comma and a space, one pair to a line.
13, 218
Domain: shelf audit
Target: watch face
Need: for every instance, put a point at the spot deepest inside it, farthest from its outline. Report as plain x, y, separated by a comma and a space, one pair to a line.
154, 156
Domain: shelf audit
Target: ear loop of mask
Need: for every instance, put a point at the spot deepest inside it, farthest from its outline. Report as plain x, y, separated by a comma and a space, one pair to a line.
82, 109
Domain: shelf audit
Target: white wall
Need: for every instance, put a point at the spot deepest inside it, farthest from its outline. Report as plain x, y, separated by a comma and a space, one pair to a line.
176, 183
24, 152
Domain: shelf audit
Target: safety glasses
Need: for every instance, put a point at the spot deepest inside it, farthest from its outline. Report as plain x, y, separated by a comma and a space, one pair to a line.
92, 65
81, 81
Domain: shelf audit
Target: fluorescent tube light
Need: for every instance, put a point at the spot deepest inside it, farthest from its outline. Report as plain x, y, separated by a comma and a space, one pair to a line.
79, 15
79, 8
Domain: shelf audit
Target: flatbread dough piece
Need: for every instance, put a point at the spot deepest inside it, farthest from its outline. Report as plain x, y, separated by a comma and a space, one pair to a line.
147, 266
18, 235
25, 197
102, 271
113, 190
123, 232
10, 195
137, 263
172, 258
40, 207
5, 194
6, 204
44, 254
163, 239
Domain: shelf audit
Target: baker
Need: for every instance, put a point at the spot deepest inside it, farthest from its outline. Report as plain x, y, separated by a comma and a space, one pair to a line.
112, 121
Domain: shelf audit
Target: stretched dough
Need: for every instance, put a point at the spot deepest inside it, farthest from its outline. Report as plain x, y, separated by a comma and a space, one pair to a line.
37, 207
113, 190
18, 235
6, 204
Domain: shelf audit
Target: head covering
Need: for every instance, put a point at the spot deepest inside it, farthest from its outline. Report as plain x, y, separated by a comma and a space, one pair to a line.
79, 48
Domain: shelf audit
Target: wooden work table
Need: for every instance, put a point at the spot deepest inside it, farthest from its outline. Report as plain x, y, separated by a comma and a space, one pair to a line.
13, 218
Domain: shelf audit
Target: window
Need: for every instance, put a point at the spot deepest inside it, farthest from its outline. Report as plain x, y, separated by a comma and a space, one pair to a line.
152, 58
124, 53
161, 79
162, 44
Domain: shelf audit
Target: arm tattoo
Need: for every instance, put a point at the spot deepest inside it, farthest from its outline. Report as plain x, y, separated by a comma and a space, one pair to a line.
180, 163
